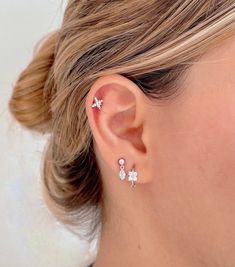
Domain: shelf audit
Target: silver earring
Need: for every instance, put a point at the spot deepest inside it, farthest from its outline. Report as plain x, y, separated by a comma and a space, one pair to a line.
98, 103
132, 176
122, 173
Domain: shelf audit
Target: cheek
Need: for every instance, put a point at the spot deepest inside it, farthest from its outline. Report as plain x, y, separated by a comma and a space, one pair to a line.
201, 158
194, 166
193, 161
211, 147
219, 165
196, 143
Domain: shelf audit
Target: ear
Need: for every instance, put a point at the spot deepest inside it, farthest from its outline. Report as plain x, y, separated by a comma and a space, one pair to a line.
119, 126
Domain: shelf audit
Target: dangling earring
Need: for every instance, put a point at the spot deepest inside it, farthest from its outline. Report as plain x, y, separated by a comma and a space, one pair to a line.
132, 176
98, 103
122, 173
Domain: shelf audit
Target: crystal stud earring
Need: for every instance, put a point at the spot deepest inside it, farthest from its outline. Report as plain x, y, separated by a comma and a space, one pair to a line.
122, 173
132, 177
98, 103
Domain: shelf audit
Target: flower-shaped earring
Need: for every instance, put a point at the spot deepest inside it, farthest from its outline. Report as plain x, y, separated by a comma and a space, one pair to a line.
132, 176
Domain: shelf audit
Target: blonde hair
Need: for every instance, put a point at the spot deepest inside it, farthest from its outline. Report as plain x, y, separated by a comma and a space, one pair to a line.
150, 42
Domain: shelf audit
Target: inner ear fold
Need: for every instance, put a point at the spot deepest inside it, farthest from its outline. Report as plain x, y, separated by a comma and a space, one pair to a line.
123, 126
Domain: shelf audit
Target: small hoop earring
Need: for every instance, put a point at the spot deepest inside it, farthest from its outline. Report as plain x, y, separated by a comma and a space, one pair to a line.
98, 103
132, 177
122, 173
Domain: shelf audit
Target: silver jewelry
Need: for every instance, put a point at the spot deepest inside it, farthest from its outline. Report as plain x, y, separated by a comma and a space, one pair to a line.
132, 176
98, 103
122, 173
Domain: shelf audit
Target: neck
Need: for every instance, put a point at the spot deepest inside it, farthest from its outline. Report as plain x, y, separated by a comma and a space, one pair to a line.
136, 237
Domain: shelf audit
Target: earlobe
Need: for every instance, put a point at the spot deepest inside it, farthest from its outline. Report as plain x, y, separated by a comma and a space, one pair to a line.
115, 110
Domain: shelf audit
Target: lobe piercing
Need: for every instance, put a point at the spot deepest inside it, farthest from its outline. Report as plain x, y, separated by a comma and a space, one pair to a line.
122, 173
132, 177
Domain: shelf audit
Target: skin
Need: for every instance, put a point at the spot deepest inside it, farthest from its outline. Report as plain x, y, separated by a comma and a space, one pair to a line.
182, 210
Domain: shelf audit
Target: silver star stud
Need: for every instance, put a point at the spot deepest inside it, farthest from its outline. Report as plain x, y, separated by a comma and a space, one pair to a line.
132, 177
98, 103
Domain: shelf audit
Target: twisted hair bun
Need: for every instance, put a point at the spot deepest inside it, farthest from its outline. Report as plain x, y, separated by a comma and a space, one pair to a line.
30, 101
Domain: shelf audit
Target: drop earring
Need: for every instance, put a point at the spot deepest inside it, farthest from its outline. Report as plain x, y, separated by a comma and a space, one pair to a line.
122, 173
132, 177
98, 103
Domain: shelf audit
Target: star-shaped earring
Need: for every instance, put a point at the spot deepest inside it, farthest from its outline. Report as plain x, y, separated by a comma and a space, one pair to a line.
132, 177
98, 103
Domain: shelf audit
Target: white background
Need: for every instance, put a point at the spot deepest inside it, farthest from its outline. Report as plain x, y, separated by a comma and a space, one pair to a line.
29, 234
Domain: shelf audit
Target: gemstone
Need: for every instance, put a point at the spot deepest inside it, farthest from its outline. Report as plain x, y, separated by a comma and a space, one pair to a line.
132, 175
121, 161
97, 103
122, 174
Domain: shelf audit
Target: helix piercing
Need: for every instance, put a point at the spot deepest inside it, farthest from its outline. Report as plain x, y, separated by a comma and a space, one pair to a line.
98, 103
